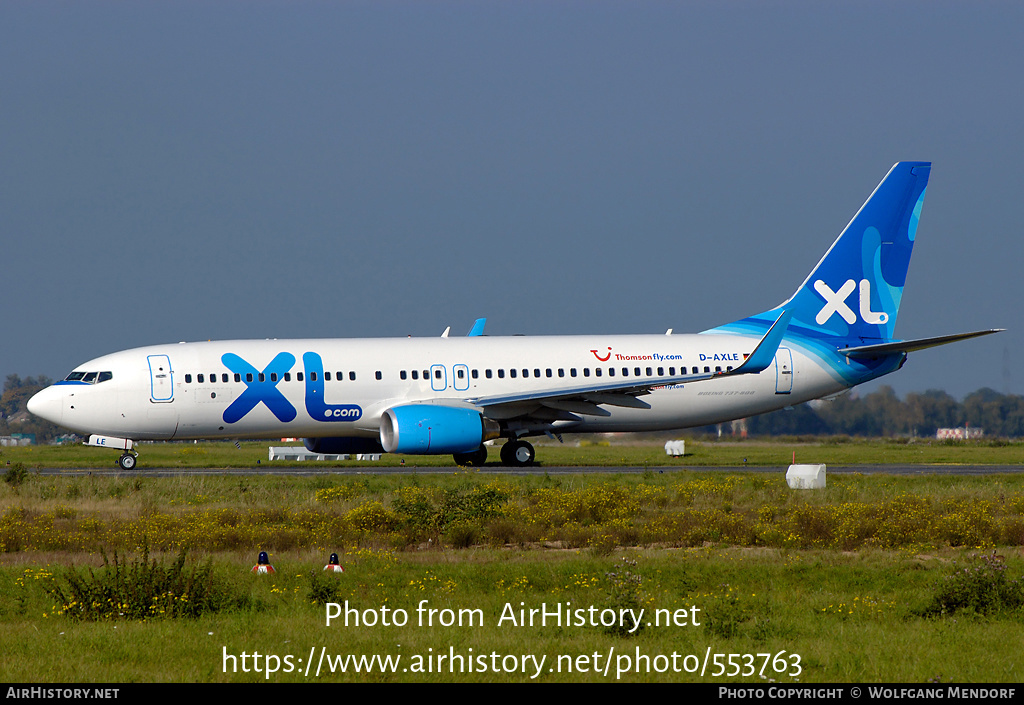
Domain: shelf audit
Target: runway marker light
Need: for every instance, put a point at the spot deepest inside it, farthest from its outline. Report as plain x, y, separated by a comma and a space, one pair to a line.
333, 565
263, 565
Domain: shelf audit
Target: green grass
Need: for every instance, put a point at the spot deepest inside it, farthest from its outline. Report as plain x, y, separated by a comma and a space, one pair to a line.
850, 617
625, 452
846, 577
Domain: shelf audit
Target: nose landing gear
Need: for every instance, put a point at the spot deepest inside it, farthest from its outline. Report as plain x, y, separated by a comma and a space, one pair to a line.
130, 456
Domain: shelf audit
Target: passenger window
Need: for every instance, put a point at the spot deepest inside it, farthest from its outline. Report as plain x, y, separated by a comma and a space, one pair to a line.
287, 377
597, 371
586, 371
476, 374
263, 377
415, 374
238, 377
224, 377
661, 371
561, 372
460, 374
512, 373
650, 372
572, 371
299, 377
273, 377
402, 375
437, 374
248, 376
536, 373
327, 376
707, 369
378, 374
487, 374
188, 379
199, 378
501, 374
352, 376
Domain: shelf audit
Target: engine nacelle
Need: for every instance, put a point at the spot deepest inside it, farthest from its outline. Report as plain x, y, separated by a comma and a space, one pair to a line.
342, 445
427, 429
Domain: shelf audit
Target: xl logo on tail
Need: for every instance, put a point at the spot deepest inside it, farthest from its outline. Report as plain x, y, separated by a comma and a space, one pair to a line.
835, 302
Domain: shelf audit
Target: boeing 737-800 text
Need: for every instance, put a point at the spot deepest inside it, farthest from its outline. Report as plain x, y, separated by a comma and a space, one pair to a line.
451, 395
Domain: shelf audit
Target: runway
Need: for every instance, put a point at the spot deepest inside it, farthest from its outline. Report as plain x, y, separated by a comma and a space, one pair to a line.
498, 470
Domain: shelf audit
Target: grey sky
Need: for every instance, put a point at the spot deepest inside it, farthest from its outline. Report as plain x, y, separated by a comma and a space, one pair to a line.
186, 171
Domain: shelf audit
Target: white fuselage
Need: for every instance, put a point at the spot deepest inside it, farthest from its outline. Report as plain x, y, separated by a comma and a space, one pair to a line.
213, 389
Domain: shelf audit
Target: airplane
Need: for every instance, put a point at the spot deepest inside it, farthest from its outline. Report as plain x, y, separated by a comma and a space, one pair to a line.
450, 395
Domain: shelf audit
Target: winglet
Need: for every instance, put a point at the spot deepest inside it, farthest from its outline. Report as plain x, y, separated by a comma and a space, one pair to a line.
477, 329
764, 353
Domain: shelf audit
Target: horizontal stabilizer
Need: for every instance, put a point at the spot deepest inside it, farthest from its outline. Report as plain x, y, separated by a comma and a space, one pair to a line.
906, 346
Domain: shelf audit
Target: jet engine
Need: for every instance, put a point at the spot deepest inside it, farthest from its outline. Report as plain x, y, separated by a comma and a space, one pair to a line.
428, 429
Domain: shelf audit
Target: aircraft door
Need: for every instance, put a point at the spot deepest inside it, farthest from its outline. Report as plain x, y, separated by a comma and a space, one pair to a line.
161, 379
438, 378
783, 371
460, 377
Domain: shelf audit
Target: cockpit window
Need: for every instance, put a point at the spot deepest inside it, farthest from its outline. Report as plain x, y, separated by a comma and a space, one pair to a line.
89, 377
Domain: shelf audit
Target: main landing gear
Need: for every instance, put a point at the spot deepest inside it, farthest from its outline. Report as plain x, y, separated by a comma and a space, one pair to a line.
517, 453
474, 458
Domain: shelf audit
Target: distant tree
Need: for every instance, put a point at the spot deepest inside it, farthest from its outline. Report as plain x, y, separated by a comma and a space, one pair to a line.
998, 414
798, 421
931, 411
14, 416
882, 413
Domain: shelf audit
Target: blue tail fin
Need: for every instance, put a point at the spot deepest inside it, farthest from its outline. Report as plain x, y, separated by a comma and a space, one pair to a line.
854, 292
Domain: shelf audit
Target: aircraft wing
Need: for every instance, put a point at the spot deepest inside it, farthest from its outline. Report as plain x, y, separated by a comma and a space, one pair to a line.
587, 399
906, 346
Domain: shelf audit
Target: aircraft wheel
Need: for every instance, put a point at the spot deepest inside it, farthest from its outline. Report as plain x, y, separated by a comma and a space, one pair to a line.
474, 458
127, 461
517, 453
505, 452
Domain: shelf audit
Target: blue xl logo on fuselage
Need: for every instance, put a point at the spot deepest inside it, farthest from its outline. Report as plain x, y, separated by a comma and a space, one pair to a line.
262, 387
315, 404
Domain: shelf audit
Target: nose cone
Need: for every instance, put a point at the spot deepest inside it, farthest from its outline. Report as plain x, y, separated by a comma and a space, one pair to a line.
47, 404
